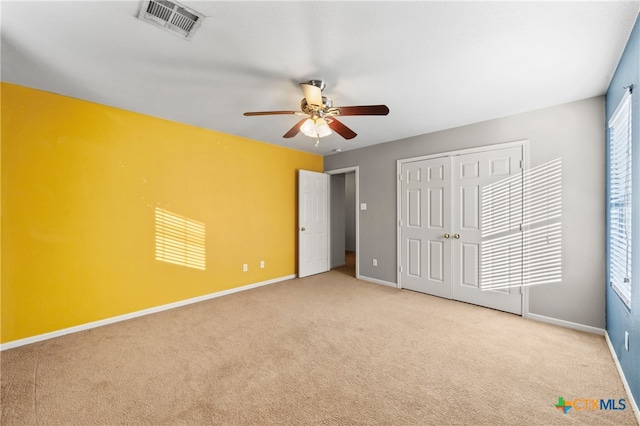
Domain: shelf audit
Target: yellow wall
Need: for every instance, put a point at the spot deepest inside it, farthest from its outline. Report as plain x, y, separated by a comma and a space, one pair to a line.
80, 183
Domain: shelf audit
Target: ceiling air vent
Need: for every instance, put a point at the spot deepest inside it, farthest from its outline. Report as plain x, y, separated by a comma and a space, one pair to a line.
171, 16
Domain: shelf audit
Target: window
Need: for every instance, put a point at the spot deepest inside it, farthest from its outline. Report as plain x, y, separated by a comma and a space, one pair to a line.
620, 199
179, 240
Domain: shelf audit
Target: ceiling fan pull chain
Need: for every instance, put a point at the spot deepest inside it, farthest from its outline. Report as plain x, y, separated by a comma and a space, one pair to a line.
317, 140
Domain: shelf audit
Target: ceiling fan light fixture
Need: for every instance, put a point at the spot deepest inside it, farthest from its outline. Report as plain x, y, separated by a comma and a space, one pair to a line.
317, 128
308, 128
322, 128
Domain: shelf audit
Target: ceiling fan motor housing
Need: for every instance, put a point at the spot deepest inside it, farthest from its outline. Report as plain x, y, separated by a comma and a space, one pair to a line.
318, 83
326, 104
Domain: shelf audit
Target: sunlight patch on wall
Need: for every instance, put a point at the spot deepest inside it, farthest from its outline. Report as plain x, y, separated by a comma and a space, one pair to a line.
179, 240
522, 229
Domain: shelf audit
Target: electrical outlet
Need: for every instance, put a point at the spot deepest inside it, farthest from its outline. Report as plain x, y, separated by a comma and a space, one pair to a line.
245, 267
626, 341
375, 262
262, 264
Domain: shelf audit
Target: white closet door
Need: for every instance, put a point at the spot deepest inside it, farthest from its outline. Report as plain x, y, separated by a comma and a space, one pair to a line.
486, 239
460, 227
425, 222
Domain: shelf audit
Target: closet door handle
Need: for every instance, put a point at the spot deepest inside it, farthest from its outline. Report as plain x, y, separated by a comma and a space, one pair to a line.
447, 236
456, 236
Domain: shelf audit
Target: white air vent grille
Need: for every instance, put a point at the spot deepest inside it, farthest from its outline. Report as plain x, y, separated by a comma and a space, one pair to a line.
171, 16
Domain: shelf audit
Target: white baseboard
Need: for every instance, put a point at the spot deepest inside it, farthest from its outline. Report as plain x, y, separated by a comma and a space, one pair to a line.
100, 323
567, 324
377, 281
632, 401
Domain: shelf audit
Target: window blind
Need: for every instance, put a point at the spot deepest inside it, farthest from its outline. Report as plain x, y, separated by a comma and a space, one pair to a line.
620, 199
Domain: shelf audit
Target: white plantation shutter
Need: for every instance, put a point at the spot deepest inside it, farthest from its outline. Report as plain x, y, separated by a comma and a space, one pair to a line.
620, 199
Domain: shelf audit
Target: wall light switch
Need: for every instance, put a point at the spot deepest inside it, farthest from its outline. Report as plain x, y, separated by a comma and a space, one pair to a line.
245, 267
363, 206
375, 262
262, 263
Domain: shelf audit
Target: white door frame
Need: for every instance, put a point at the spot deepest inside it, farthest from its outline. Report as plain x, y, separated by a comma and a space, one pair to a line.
524, 143
357, 209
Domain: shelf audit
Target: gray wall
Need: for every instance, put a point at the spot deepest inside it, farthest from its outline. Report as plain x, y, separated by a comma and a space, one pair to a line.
350, 211
337, 183
573, 132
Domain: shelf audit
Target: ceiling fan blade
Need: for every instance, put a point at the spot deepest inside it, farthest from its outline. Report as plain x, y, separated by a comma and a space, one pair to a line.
341, 129
361, 110
295, 129
248, 114
312, 94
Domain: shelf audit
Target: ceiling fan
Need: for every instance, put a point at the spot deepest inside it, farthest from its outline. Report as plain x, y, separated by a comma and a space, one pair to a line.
321, 115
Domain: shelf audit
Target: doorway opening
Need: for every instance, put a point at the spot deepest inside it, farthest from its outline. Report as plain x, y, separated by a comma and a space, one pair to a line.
343, 219
349, 268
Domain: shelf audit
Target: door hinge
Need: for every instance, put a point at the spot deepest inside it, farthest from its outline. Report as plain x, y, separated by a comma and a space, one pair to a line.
400, 223
400, 177
400, 268
521, 164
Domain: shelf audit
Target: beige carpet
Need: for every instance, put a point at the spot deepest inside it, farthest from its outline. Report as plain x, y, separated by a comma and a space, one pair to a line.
327, 349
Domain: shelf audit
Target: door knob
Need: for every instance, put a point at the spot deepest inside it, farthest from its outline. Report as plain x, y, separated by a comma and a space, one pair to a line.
456, 236
303, 228
447, 236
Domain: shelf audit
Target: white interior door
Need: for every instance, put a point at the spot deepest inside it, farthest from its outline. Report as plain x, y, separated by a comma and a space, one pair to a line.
460, 227
425, 221
487, 240
313, 224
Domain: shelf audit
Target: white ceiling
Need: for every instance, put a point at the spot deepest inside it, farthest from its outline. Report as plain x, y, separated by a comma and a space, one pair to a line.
436, 65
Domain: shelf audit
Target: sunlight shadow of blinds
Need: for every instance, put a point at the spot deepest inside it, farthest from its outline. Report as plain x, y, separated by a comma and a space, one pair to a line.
522, 229
179, 240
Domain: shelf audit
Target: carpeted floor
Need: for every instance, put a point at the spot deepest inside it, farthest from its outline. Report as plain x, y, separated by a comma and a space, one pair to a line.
326, 349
